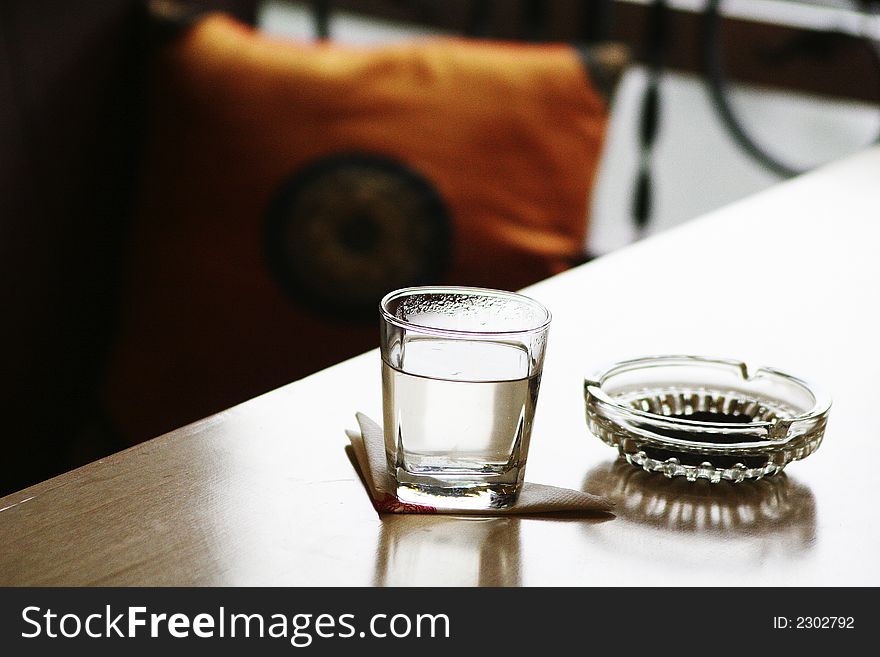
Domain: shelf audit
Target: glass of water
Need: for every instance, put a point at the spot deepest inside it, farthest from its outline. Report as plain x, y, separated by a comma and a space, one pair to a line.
461, 368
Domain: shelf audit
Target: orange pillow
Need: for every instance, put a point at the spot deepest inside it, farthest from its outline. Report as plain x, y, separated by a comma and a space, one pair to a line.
288, 186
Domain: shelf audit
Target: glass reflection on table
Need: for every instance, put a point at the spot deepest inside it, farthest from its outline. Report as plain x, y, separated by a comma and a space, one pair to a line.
431, 550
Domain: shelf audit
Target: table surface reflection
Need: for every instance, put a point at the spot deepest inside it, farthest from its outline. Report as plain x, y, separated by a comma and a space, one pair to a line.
264, 494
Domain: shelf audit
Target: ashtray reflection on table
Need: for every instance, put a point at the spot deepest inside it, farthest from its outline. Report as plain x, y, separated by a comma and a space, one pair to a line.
769, 505
681, 524
705, 418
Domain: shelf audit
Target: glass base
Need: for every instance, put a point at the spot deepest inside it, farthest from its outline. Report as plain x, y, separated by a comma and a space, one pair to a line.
458, 491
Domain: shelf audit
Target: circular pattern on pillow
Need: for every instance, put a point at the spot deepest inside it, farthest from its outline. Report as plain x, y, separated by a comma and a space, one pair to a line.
344, 230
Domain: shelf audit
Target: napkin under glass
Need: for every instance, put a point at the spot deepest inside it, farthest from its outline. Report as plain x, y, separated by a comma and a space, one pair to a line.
368, 449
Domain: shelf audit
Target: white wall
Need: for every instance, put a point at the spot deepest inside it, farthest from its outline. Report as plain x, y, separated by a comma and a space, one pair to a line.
697, 167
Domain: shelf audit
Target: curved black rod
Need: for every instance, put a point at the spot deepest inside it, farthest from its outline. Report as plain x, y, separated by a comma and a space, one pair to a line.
716, 84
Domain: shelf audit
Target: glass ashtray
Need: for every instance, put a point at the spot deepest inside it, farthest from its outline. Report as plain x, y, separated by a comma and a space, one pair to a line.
705, 418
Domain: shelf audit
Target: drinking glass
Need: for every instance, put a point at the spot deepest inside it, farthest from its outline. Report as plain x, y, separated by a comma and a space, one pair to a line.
461, 369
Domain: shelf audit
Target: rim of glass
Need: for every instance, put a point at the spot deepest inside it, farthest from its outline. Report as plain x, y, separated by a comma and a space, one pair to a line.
468, 291
821, 399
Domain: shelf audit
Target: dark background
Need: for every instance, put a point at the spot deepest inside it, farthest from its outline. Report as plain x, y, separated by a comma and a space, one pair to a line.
72, 92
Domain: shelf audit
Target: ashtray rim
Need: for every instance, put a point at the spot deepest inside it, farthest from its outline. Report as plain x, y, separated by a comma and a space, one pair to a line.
778, 430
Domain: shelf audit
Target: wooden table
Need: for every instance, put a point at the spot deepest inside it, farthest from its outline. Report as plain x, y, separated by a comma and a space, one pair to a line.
263, 493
